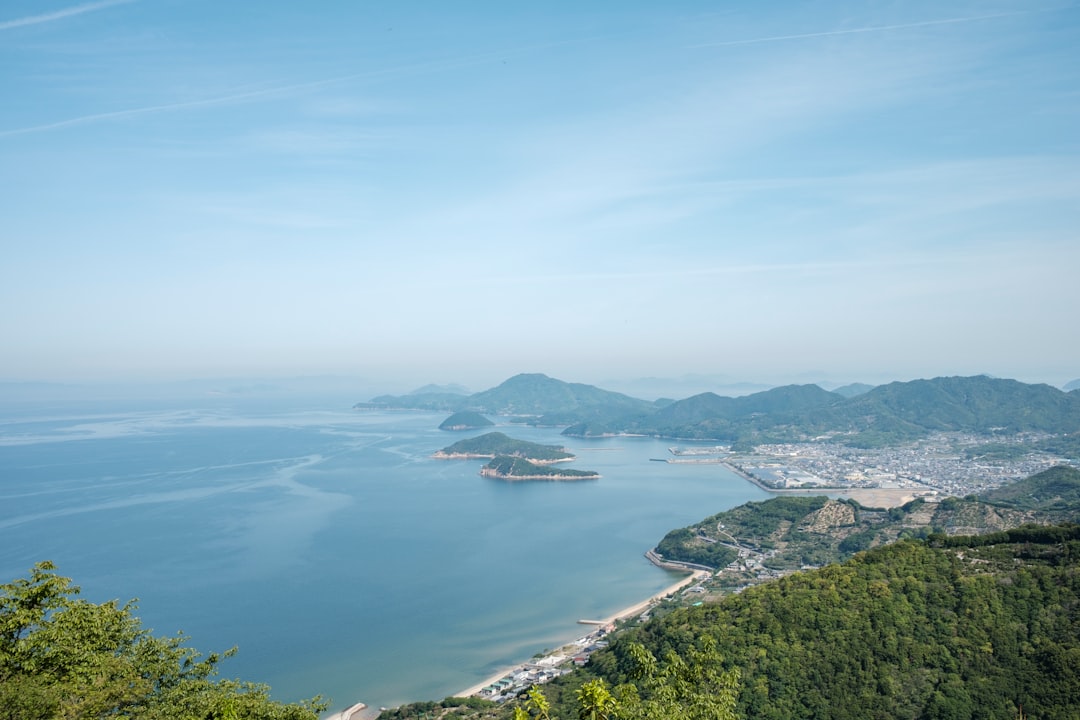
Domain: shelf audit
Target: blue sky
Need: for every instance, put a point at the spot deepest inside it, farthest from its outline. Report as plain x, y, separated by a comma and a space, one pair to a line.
434, 191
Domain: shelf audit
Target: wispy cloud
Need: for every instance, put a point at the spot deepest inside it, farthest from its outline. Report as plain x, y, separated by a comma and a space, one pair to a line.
60, 14
870, 29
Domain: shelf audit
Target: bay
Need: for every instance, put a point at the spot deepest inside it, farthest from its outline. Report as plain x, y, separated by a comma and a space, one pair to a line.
329, 546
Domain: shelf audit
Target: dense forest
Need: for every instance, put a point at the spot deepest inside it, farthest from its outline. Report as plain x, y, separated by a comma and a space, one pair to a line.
974, 628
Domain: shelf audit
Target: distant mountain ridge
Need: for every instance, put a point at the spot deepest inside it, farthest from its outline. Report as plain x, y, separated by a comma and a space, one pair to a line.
853, 389
886, 414
538, 394
547, 400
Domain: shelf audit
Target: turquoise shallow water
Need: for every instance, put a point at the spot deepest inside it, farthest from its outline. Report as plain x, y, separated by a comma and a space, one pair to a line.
329, 546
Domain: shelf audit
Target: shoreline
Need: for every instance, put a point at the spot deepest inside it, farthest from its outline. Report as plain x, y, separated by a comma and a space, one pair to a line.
559, 477
627, 612
350, 713
440, 455
694, 575
360, 711
887, 497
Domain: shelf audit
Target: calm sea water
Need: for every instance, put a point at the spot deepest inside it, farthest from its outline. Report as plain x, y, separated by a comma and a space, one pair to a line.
329, 546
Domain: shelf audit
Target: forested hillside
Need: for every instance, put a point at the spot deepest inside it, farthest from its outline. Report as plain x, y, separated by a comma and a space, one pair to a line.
903, 631
789, 532
883, 415
956, 627
932, 622
65, 658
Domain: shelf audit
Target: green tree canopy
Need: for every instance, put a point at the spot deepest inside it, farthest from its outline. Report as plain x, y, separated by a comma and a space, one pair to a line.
62, 657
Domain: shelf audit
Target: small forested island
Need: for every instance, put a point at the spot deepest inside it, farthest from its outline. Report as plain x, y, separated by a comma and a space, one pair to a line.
506, 467
494, 444
465, 420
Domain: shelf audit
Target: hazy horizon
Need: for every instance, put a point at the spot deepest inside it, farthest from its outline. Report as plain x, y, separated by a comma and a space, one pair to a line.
407, 194
344, 391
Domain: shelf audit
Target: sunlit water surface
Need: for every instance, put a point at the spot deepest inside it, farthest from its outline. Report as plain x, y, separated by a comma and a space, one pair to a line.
329, 546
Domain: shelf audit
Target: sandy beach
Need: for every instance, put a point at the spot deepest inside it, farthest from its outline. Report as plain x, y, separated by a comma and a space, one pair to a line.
628, 612
638, 608
870, 497
359, 711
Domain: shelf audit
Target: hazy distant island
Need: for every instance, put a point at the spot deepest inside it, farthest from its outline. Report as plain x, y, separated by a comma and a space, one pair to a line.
494, 444
534, 397
505, 467
465, 420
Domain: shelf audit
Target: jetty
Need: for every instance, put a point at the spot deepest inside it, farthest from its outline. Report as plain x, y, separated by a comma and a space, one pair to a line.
348, 713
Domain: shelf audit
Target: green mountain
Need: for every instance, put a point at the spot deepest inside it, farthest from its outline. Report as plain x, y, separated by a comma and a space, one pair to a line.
710, 416
494, 444
969, 403
886, 414
908, 630
883, 415
540, 395
544, 400
1056, 489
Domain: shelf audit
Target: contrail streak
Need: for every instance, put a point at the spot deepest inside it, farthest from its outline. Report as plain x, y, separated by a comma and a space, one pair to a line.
60, 14
147, 110
432, 65
875, 28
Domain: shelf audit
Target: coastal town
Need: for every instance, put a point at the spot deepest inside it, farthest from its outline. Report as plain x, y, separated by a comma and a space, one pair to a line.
941, 465
938, 466
955, 464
